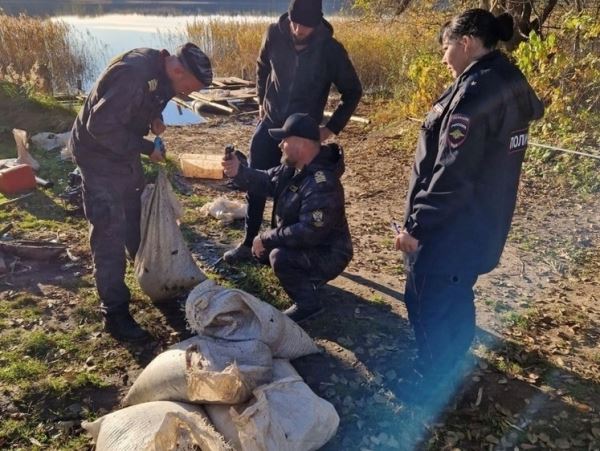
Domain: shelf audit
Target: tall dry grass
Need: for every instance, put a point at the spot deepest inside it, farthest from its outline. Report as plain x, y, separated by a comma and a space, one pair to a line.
389, 56
232, 44
41, 54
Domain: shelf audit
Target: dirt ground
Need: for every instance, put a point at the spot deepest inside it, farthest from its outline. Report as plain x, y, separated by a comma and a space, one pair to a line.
534, 381
535, 373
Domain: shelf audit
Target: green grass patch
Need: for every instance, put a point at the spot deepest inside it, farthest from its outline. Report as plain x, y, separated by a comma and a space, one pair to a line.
261, 282
377, 299
23, 370
518, 320
38, 344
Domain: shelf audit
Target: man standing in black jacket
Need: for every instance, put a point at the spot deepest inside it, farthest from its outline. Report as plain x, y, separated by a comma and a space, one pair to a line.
107, 141
311, 243
298, 62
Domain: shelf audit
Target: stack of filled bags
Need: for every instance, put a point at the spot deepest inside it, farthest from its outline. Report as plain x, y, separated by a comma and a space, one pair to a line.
231, 387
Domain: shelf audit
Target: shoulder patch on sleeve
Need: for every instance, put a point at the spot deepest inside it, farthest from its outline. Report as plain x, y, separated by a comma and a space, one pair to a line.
317, 218
320, 177
458, 130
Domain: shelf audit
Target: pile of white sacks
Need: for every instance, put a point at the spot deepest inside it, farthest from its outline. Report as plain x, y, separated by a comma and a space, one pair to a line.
230, 387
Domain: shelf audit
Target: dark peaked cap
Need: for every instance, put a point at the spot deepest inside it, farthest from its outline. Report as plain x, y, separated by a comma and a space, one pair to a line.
195, 61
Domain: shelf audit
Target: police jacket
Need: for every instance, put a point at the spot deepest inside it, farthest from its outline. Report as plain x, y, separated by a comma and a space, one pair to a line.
464, 182
309, 204
290, 81
132, 91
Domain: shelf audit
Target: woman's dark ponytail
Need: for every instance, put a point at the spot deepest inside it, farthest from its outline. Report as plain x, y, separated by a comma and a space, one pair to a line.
482, 24
504, 26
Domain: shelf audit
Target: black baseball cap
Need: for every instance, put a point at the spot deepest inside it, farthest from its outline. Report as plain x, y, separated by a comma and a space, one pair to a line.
196, 62
298, 124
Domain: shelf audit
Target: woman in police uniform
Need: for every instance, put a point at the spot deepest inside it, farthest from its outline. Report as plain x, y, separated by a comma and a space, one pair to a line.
463, 189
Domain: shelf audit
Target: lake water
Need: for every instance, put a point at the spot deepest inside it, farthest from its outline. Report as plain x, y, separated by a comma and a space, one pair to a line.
117, 26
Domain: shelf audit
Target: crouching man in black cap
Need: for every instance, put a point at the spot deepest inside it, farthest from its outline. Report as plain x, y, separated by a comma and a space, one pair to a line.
107, 142
311, 243
298, 62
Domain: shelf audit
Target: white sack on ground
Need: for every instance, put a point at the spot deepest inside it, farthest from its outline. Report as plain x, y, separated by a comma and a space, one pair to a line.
224, 210
23, 155
164, 266
204, 370
230, 314
155, 426
282, 416
51, 141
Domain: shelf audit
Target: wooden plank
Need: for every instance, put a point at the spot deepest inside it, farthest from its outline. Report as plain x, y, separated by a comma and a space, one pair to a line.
240, 81
362, 120
199, 97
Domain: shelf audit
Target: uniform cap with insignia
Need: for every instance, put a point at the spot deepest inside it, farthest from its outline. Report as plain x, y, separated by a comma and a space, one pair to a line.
196, 62
300, 125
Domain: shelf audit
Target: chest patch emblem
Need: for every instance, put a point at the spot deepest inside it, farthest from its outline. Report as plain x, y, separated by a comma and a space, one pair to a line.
458, 130
320, 177
152, 85
518, 141
317, 217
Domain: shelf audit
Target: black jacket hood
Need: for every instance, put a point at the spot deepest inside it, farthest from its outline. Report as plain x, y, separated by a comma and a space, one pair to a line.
329, 158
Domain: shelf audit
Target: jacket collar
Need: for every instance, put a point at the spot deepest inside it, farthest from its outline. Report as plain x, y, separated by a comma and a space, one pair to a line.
484, 60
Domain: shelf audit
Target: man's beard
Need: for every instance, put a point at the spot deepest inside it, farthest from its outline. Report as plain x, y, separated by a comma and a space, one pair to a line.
287, 161
302, 41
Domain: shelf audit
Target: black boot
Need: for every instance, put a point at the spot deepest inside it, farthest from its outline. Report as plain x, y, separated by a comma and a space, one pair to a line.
239, 254
300, 314
123, 327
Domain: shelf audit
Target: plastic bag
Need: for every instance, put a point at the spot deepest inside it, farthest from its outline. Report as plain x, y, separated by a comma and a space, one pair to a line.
51, 141
164, 266
224, 210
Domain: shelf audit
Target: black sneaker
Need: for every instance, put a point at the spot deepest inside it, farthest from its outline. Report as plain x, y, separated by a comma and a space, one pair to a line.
239, 254
123, 327
301, 314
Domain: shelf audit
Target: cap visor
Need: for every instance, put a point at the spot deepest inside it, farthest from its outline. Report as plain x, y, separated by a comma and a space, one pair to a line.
278, 133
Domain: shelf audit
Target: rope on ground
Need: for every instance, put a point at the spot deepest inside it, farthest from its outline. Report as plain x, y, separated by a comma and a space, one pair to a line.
543, 146
560, 149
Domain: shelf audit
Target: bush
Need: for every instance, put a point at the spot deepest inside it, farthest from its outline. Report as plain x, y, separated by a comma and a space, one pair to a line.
564, 70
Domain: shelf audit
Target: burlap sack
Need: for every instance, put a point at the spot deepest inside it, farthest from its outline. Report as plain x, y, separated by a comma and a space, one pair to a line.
204, 370
164, 266
284, 415
155, 426
231, 314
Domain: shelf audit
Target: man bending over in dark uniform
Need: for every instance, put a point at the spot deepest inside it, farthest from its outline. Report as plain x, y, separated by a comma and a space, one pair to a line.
107, 141
311, 243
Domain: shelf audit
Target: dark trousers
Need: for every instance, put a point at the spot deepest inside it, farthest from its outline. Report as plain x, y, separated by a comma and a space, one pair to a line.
442, 313
264, 154
302, 272
112, 205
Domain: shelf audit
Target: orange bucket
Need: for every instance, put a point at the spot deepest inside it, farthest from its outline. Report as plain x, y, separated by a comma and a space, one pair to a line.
17, 179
